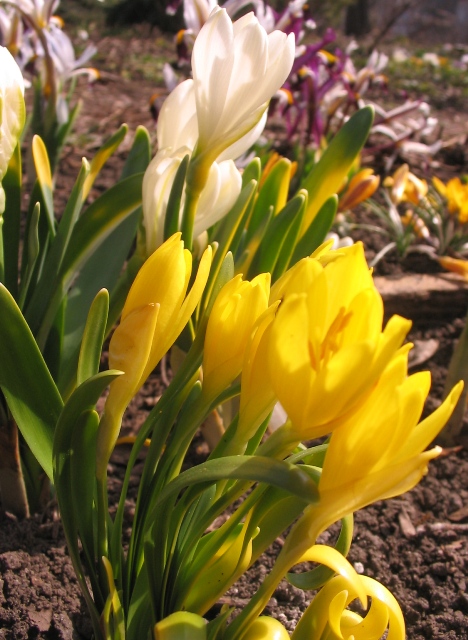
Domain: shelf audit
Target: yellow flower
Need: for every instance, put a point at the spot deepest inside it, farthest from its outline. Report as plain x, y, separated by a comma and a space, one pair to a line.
266, 628
379, 452
327, 347
454, 264
238, 306
155, 312
456, 194
361, 186
257, 397
405, 186
327, 615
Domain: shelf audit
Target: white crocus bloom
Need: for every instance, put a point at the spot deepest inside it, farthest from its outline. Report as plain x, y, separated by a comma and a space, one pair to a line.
39, 11
218, 196
12, 112
237, 67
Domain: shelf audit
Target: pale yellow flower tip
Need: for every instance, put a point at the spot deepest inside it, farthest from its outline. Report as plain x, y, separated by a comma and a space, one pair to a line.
266, 628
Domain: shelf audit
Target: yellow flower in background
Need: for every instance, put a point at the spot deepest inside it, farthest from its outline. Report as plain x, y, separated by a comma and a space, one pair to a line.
456, 194
238, 306
12, 112
156, 311
405, 186
361, 186
456, 265
327, 347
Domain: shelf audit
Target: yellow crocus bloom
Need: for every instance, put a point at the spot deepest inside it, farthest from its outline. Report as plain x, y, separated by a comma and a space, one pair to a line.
327, 347
328, 617
379, 452
361, 186
375, 454
456, 194
266, 628
238, 306
156, 311
405, 186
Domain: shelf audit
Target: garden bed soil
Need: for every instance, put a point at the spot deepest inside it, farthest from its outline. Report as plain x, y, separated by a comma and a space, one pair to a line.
417, 545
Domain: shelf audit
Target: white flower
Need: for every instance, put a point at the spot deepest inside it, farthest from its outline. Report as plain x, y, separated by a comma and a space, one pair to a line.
12, 112
196, 13
237, 67
39, 11
218, 196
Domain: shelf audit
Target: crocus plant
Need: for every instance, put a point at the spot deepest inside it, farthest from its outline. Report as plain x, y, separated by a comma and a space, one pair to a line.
53, 265
266, 313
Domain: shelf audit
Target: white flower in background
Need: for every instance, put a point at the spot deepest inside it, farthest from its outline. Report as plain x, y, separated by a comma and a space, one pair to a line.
237, 67
39, 11
196, 13
12, 112
63, 55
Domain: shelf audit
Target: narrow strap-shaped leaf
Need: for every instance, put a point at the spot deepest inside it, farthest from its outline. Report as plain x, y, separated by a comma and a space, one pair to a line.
60, 136
40, 303
102, 156
272, 243
328, 174
252, 171
273, 193
171, 221
247, 250
93, 337
317, 231
287, 249
140, 154
99, 220
44, 178
11, 184
29, 389
32, 244
276, 473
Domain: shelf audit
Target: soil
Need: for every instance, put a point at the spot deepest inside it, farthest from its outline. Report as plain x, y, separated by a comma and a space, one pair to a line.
417, 545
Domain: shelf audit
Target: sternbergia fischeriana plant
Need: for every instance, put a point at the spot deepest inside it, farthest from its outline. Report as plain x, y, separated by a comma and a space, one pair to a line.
303, 328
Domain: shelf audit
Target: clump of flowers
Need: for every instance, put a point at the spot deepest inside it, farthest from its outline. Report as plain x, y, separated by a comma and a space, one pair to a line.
299, 324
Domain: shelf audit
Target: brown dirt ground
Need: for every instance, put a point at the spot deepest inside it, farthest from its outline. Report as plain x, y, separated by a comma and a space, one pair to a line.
417, 545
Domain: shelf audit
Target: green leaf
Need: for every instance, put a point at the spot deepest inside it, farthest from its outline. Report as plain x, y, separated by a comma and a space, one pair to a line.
287, 249
102, 240
272, 193
93, 337
41, 310
268, 252
140, 154
29, 389
317, 231
32, 253
247, 250
328, 174
102, 156
171, 221
11, 221
275, 473
252, 171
